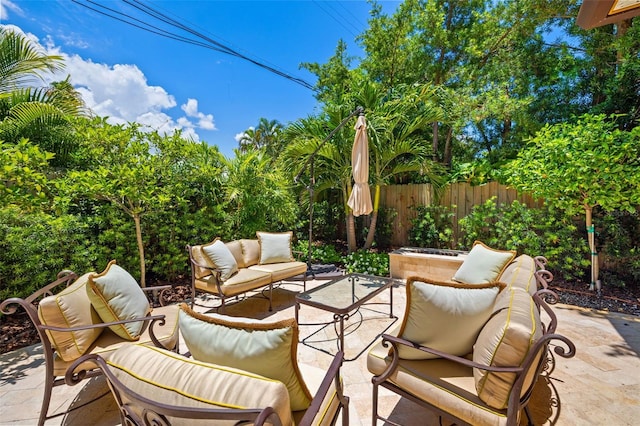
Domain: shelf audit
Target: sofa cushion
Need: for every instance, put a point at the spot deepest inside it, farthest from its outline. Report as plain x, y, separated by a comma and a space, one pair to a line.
116, 296
281, 271
275, 247
170, 378
108, 341
483, 264
202, 259
521, 273
443, 383
268, 349
70, 308
505, 341
250, 252
445, 316
235, 247
222, 258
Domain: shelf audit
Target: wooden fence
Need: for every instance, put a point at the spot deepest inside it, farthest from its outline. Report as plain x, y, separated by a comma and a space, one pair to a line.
405, 198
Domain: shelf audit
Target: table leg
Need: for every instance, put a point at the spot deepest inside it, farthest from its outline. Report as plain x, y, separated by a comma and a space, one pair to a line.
296, 312
391, 301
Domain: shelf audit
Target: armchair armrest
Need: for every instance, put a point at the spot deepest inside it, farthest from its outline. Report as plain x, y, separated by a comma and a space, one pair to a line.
331, 377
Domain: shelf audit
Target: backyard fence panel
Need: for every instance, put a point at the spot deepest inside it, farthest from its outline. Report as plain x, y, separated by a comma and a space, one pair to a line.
405, 199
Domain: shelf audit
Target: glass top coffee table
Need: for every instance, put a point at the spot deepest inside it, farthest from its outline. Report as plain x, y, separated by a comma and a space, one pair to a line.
343, 297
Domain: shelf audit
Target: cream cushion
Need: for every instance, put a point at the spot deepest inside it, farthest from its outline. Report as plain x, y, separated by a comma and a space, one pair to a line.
201, 259
483, 264
275, 247
116, 296
505, 341
108, 341
521, 273
222, 258
250, 252
70, 308
267, 349
445, 316
235, 247
170, 378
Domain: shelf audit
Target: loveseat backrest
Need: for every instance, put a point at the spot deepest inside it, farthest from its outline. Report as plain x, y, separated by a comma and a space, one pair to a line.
250, 251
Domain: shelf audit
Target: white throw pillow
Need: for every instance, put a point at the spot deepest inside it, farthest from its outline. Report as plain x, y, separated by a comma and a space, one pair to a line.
445, 316
222, 258
275, 247
483, 264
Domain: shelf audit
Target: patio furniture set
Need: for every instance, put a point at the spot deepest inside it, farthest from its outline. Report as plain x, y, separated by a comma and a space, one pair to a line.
470, 348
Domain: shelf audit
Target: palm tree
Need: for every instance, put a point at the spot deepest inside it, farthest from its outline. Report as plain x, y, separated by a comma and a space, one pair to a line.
395, 128
29, 111
267, 135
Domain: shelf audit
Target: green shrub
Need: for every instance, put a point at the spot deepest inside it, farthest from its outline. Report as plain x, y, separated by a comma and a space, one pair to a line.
547, 232
320, 253
432, 227
367, 262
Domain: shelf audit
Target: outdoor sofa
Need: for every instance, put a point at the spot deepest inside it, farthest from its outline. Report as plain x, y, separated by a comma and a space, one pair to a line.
471, 348
237, 267
96, 313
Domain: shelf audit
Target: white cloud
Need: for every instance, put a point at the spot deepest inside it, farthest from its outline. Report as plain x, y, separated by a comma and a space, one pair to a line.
6, 6
122, 93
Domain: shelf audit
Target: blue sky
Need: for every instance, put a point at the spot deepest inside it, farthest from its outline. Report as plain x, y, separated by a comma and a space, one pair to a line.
132, 75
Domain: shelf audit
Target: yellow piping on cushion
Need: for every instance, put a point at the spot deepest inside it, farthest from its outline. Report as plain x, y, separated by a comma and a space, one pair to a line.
170, 388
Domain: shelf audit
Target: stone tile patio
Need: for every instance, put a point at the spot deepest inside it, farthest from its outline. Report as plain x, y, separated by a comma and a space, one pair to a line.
600, 385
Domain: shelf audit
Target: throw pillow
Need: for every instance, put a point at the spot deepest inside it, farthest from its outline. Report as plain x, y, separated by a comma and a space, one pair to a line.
222, 258
267, 349
445, 316
70, 308
483, 264
116, 296
275, 247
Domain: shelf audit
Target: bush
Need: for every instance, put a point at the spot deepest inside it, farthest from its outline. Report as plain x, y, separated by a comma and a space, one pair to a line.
320, 253
432, 227
367, 262
547, 232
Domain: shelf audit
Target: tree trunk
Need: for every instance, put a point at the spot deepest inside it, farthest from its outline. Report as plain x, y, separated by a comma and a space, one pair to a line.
448, 149
136, 220
591, 236
374, 219
435, 141
351, 231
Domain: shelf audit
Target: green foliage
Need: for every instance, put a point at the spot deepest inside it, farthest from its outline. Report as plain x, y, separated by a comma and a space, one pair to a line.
23, 174
367, 262
574, 166
384, 232
34, 247
432, 227
320, 253
547, 232
618, 233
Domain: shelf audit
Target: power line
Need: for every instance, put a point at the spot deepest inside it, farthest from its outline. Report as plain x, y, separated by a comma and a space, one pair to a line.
208, 43
333, 17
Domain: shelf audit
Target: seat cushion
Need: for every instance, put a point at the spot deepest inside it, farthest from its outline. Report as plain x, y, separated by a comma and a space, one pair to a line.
282, 271
521, 273
445, 316
221, 258
505, 341
275, 247
439, 382
267, 349
108, 341
70, 308
330, 405
116, 296
170, 378
245, 280
483, 264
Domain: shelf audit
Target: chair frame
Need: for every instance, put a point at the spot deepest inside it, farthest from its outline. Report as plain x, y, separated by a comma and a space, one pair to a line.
65, 278
515, 402
130, 403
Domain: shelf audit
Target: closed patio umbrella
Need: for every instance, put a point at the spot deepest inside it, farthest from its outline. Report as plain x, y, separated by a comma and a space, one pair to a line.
360, 198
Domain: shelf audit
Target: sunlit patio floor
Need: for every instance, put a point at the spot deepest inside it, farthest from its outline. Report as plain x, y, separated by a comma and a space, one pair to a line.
600, 385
